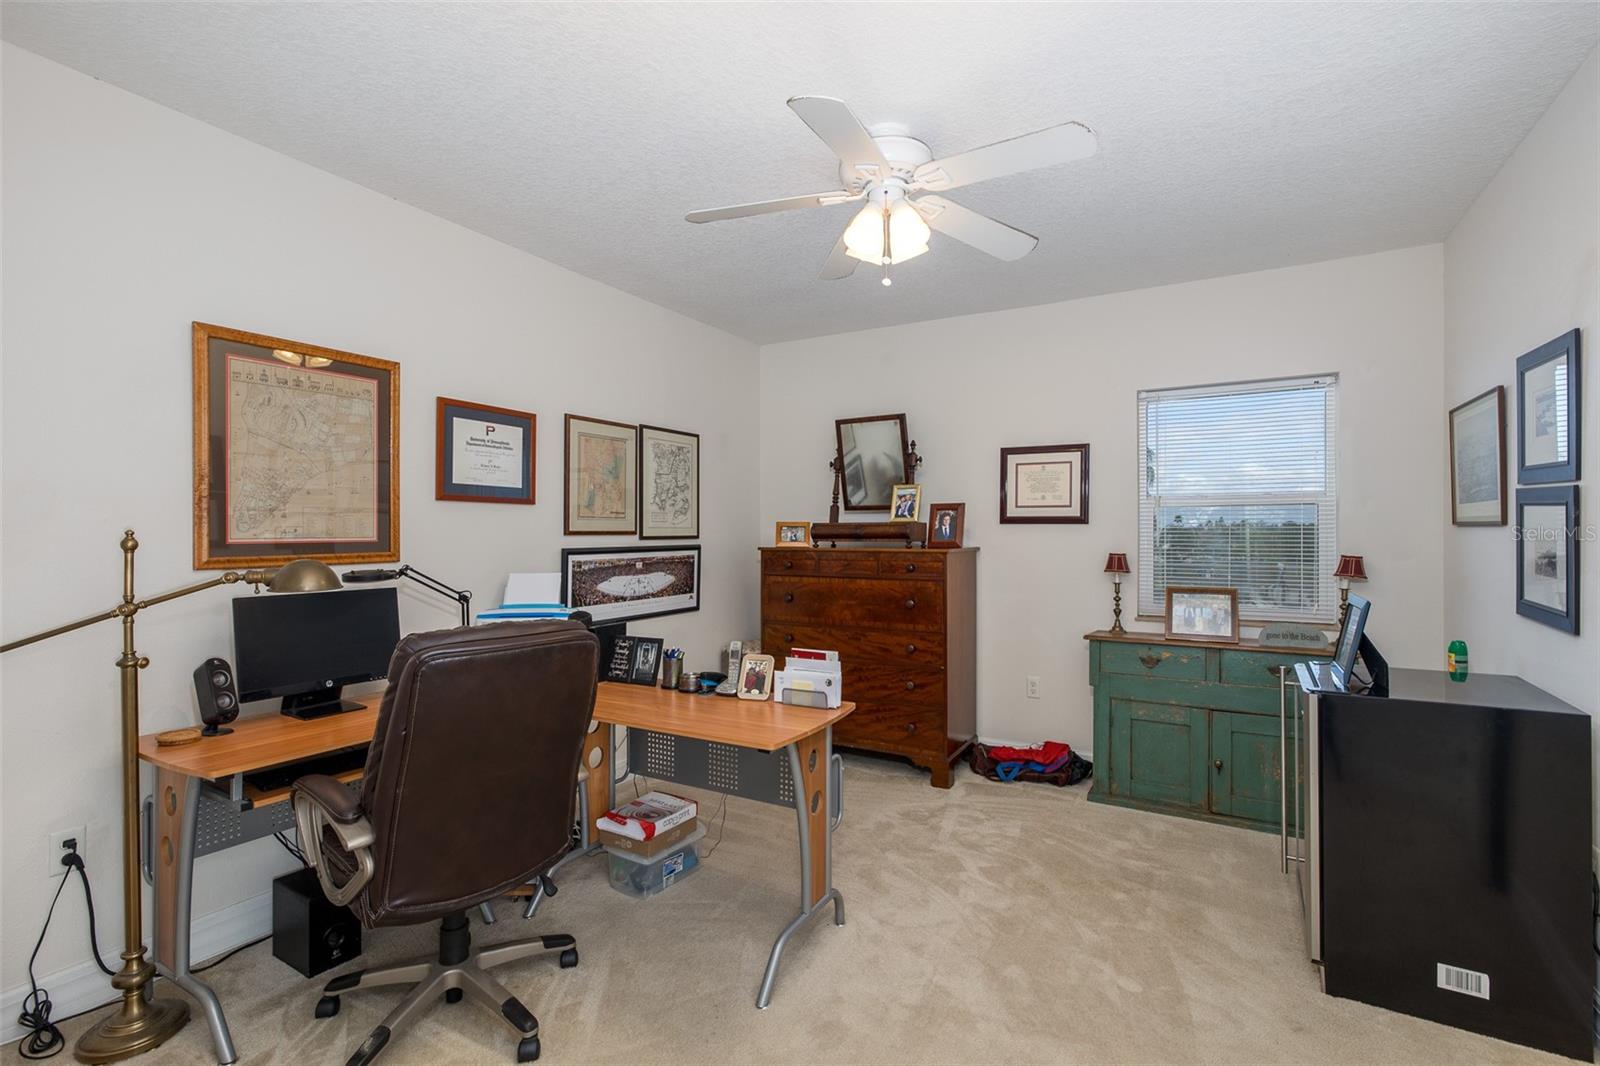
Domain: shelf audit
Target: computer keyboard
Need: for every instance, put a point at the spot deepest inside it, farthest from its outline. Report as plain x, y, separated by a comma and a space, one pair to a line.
274, 778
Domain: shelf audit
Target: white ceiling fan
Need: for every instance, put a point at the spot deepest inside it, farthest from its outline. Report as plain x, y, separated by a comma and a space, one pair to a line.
897, 176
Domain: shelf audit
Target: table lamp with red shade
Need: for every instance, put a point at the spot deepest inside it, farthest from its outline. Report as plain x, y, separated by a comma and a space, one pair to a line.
1116, 566
1350, 568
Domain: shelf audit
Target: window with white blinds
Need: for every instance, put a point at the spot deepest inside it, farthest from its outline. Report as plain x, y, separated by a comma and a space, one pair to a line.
1237, 489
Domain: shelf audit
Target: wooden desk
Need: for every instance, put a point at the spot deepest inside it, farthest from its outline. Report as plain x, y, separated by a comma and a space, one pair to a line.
803, 735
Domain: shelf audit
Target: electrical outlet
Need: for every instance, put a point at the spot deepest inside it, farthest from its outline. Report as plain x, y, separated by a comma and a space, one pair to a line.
58, 847
1033, 686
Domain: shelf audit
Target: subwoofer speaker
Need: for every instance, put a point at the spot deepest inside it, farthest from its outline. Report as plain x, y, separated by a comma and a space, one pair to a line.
218, 695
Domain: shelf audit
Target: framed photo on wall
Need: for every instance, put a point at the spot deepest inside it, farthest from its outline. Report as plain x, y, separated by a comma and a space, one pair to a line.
600, 490
296, 452
1049, 483
1478, 460
669, 484
1547, 556
1549, 413
1203, 614
483, 454
624, 583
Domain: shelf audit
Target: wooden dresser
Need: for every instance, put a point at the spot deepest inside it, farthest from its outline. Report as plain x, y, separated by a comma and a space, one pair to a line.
904, 622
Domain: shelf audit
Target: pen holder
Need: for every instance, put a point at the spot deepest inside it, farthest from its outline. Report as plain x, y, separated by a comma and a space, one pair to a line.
671, 673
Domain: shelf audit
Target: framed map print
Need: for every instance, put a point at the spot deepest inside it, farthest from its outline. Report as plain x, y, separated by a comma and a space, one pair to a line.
296, 452
669, 483
1048, 483
483, 454
602, 473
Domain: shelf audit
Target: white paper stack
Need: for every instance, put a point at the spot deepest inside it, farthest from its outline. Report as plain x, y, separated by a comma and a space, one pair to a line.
809, 678
529, 596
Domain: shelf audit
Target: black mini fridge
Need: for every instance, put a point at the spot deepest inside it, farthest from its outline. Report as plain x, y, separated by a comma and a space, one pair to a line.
1446, 830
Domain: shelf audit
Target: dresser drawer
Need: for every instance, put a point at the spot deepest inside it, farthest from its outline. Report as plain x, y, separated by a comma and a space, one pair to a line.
893, 727
915, 565
849, 601
857, 647
789, 561
877, 686
1153, 660
847, 564
1258, 668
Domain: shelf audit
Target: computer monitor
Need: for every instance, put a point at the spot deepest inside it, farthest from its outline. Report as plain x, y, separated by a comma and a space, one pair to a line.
1350, 634
307, 647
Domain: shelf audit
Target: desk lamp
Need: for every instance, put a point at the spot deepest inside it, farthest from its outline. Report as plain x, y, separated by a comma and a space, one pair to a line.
1116, 566
1350, 568
140, 1024
461, 596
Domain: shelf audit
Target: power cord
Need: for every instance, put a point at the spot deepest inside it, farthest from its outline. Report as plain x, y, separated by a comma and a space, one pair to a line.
44, 1038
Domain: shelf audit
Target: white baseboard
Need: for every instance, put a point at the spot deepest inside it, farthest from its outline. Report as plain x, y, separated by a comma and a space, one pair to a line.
83, 987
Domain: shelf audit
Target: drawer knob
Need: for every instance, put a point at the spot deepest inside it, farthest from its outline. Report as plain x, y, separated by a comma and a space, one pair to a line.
911, 568
910, 603
1150, 661
788, 597
1218, 765
910, 685
911, 727
788, 564
911, 649
788, 638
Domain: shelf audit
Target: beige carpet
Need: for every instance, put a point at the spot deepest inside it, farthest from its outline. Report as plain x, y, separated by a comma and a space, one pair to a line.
992, 922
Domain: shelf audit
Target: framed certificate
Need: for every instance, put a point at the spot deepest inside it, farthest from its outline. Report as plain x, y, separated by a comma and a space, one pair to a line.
1048, 483
483, 454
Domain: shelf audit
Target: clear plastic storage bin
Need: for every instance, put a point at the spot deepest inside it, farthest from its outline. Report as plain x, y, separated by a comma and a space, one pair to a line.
639, 877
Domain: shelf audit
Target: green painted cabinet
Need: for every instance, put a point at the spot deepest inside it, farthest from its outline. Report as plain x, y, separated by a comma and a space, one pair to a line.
1189, 729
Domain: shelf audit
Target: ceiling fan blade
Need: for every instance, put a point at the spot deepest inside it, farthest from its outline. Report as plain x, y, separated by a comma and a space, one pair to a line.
843, 133
767, 207
839, 264
969, 227
1045, 148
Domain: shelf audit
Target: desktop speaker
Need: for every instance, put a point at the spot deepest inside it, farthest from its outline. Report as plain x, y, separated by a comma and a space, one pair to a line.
218, 695
308, 932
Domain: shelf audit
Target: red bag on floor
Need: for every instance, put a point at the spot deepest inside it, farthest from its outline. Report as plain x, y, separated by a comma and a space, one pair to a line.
1052, 762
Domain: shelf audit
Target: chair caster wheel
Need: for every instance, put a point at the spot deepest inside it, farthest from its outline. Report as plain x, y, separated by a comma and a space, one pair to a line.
528, 1049
569, 958
327, 1006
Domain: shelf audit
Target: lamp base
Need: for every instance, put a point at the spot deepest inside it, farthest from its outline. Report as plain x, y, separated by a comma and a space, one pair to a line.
139, 1025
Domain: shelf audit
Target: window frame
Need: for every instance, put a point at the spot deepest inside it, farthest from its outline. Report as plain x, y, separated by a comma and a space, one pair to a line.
1150, 607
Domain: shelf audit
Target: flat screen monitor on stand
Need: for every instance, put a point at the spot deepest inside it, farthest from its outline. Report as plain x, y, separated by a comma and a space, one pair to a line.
306, 648
1354, 644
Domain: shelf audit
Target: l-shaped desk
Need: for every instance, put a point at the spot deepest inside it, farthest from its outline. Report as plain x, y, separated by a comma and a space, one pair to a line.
765, 751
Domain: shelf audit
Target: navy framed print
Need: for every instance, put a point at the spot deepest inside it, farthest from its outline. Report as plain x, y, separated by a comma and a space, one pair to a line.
1547, 556
483, 454
1549, 413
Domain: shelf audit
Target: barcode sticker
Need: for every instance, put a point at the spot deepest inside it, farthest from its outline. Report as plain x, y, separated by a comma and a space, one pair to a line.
1467, 982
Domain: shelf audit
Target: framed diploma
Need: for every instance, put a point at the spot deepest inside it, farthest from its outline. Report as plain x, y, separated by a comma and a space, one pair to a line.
1049, 483
483, 454
296, 452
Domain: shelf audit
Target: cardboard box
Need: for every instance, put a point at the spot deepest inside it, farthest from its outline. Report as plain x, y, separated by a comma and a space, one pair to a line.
649, 849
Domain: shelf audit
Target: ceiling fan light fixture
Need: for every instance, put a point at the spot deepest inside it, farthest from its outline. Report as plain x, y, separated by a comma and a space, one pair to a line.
908, 233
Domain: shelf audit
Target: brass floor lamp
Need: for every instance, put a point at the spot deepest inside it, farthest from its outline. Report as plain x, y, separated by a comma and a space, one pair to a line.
140, 1023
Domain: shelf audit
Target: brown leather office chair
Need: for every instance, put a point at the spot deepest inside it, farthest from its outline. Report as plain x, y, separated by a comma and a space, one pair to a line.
467, 793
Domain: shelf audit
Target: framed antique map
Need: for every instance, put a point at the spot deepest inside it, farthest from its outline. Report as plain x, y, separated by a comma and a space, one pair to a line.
669, 483
602, 471
296, 452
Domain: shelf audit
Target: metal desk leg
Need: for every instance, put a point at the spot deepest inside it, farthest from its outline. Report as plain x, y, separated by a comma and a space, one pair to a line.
816, 777
599, 749
177, 816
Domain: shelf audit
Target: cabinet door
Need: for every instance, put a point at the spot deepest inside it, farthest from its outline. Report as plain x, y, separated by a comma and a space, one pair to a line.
1158, 753
1246, 766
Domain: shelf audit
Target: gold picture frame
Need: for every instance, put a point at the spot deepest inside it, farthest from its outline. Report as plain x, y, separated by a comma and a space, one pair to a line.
296, 452
899, 497
792, 535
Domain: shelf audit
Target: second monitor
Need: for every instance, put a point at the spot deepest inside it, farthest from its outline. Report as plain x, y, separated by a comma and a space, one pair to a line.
307, 647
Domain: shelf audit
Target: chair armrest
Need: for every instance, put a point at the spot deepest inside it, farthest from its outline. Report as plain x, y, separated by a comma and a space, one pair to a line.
323, 804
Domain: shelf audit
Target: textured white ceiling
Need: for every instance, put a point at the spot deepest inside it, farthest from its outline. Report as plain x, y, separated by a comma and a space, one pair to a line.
1233, 137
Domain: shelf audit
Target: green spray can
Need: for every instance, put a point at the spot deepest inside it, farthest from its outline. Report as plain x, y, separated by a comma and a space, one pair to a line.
1455, 660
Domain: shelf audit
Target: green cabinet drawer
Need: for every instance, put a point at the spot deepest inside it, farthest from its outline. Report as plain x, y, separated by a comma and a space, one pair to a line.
1246, 766
1158, 753
1257, 668
1153, 660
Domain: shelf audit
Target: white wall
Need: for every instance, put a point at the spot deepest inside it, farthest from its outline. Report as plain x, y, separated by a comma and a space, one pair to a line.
1520, 269
123, 223
1070, 372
